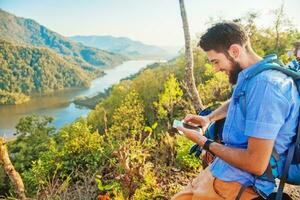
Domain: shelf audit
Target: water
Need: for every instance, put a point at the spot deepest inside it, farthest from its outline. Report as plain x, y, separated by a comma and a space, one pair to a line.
59, 104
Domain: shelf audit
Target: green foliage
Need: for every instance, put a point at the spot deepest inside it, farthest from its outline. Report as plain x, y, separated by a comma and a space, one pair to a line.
165, 149
33, 140
171, 96
5, 184
128, 119
74, 148
183, 159
107, 187
79, 147
105, 109
216, 89
25, 70
134, 172
149, 84
12, 97
277, 38
149, 188
285, 59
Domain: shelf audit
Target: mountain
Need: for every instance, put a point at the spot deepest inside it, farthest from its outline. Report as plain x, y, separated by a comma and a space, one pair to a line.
125, 46
26, 31
25, 70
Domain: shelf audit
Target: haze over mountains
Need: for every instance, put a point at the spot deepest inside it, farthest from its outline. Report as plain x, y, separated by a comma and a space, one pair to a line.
125, 46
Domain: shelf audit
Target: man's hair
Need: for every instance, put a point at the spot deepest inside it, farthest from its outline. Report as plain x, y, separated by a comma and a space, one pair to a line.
222, 35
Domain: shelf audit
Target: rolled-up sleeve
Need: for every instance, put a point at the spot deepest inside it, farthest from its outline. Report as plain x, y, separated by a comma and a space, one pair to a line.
266, 110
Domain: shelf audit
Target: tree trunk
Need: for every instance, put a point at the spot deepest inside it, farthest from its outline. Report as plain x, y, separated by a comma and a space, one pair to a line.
279, 13
189, 63
10, 170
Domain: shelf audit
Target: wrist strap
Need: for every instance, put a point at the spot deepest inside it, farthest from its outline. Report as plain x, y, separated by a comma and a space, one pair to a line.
207, 144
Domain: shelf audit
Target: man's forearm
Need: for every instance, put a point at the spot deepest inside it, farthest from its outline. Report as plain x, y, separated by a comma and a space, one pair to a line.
254, 159
220, 112
239, 158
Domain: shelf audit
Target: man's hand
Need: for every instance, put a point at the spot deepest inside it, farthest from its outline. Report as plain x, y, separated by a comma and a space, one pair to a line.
193, 135
202, 121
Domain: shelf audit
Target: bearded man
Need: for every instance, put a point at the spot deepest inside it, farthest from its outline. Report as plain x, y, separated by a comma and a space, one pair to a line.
270, 121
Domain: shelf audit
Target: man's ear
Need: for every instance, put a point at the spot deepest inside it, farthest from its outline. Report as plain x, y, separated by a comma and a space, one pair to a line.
235, 51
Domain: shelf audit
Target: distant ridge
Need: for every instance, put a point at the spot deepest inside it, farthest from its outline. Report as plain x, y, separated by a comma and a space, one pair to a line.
125, 46
27, 31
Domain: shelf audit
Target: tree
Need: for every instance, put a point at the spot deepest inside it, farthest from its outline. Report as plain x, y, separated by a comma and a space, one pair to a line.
216, 89
128, 119
171, 96
10, 170
189, 72
33, 139
279, 21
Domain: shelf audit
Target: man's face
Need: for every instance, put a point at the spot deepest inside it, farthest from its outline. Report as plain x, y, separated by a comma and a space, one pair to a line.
221, 63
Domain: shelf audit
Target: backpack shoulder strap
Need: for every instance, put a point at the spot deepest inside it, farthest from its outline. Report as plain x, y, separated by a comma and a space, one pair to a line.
242, 95
270, 65
287, 164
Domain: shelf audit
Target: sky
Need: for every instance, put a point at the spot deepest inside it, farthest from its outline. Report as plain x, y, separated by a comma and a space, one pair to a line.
156, 22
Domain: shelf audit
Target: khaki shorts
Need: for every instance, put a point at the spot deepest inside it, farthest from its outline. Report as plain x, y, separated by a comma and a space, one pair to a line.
207, 187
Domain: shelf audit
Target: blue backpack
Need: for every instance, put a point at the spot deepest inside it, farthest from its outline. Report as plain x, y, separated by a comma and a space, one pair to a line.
291, 166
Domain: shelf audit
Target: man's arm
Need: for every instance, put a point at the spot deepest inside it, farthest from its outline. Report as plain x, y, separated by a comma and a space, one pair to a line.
254, 159
220, 112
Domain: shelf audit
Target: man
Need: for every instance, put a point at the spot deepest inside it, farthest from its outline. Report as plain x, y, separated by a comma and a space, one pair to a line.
270, 120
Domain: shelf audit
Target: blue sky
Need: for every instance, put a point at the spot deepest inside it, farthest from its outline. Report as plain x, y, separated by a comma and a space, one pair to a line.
155, 22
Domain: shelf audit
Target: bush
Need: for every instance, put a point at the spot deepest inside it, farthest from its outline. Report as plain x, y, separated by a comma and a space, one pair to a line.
74, 149
183, 159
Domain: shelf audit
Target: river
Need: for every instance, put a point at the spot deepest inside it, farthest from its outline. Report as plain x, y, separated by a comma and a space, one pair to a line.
59, 104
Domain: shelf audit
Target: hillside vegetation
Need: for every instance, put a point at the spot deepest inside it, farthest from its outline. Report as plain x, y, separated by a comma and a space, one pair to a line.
25, 70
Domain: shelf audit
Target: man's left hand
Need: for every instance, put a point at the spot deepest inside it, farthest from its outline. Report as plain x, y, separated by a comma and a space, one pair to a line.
193, 135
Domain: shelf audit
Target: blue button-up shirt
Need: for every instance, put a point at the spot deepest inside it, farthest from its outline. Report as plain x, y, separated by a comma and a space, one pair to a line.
272, 109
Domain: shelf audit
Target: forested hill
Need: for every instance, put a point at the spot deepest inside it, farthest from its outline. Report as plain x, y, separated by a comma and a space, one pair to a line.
125, 46
26, 31
24, 70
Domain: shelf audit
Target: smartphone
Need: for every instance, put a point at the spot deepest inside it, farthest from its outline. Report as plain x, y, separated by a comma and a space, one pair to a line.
178, 123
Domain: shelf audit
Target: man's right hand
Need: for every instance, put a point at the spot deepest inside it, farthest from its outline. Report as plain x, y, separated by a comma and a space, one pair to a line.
202, 121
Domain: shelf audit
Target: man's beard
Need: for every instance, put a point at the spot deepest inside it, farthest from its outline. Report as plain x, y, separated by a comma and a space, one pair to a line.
233, 74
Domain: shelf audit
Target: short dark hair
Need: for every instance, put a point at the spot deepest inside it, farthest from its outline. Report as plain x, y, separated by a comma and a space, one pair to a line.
222, 35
